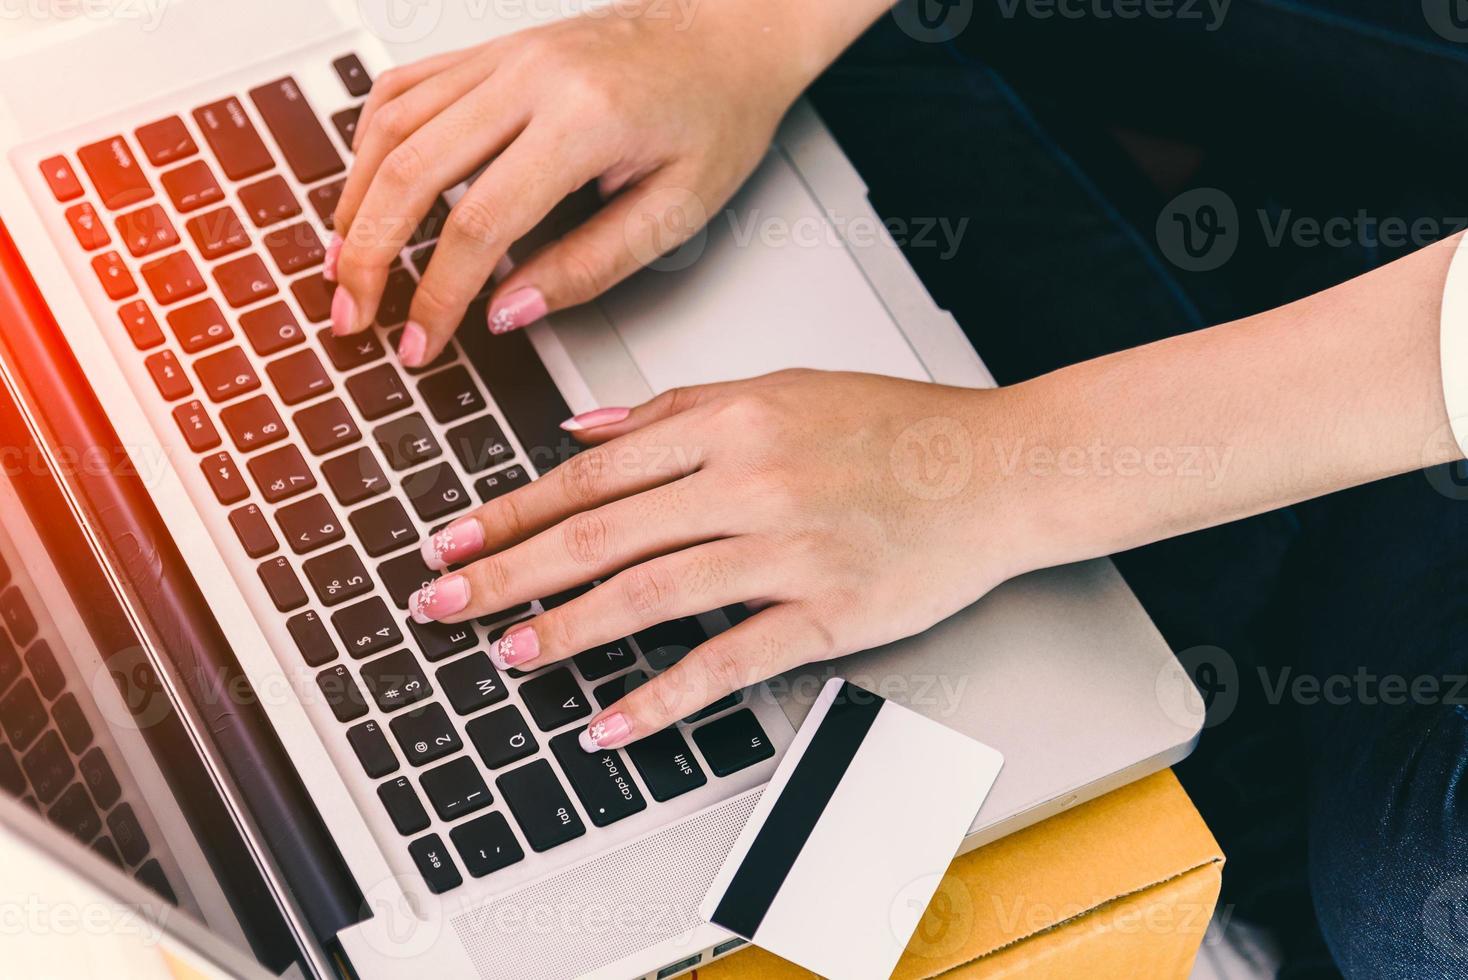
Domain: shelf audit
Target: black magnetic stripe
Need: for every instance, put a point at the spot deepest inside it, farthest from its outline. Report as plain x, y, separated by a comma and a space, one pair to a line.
794, 815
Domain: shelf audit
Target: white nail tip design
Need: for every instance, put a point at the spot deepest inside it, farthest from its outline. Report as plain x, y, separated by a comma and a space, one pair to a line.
590, 739
502, 321
501, 651
422, 599
435, 547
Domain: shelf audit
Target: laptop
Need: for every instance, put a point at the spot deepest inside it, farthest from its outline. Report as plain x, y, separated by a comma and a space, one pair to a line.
217, 526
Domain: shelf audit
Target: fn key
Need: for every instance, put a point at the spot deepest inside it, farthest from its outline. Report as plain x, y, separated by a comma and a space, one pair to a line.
732, 743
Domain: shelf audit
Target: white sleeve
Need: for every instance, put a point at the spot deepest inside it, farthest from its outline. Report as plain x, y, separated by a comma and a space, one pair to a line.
1453, 345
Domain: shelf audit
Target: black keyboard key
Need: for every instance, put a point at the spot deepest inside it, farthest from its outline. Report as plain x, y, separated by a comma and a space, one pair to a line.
501, 483
372, 748
72, 722
421, 258
75, 814
311, 638
314, 294
253, 423
299, 377
604, 661
9, 662
599, 779
173, 277
217, 233
451, 395
540, 805
378, 391
435, 492
479, 444
384, 526
708, 711
350, 353
291, 120
337, 576
268, 201
406, 441
151, 876
100, 779
471, 683
224, 479
366, 627
434, 863
526, 397
309, 524
128, 834
168, 375
197, 428
405, 575
323, 201
349, 69
48, 766
486, 844
733, 742
199, 326
12, 780
233, 138
282, 585
618, 688
166, 141
271, 328
346, 123
341, 693
244, 281
554, 699
108, 850
294, 248
281, 473
502, 737
456, 788
426, 734
666, 764
45, 671
667, 643
141, 325
439, 640
23, 715
17, 615
354, 476
226, 374
327, 426
396, 680
192, 186
403, 806
115, 172
253, 530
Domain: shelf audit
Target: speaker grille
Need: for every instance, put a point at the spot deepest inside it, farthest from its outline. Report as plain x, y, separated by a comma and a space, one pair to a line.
596, 913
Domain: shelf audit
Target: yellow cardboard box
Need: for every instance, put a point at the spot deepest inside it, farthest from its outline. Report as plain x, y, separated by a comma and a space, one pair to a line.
1119, 887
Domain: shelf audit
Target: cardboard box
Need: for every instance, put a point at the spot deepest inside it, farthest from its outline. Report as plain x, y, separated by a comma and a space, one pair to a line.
1123, 887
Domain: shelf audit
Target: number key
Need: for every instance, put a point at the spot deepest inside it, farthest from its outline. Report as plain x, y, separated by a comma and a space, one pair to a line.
226, 374
253, 423
337, 576
426, 734
309, 524
396, 680
366, 627
281, 473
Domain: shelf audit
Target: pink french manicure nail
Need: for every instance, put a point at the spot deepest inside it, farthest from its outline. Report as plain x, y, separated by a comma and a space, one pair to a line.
343, 312
439, 598
333, 253
461, 539
412, 345
514, 648
592, 419
518, 309
608, 732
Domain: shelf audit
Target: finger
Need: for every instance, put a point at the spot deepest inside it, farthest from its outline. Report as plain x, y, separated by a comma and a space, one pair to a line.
684, 583
589, 479
766, 644
641, 223
395, 81
443, 151
521, 186
585, 546
393, 123
602, 424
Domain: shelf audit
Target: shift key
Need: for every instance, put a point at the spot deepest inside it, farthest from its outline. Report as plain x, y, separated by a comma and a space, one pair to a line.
296, 129
233, 138
667, 764
600, 780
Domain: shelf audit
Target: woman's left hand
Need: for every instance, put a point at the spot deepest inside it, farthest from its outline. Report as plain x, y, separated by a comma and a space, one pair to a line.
851, 510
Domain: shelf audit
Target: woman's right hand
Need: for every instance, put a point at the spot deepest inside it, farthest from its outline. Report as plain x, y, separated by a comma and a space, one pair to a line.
667, 107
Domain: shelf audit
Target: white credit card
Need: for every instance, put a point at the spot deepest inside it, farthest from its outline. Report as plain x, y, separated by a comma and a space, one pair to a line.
851, 837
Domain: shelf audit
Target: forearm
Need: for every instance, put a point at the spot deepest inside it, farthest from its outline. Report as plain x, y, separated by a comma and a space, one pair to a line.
1332, 391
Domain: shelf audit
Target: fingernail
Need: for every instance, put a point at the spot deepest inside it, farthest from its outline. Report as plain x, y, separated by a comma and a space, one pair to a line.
514, 648
607, 732
592, 419
343, 312
522, 307
412, 345
439, 598
333, 252
461, 539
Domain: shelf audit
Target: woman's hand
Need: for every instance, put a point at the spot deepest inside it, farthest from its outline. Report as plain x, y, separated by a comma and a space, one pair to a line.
851, 510
666, 111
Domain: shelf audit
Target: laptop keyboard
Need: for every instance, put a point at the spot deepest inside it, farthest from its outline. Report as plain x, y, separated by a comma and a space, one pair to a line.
50, 758
302, 436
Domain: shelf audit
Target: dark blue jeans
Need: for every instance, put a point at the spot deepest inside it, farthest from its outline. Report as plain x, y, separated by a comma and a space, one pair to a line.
1334, 635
